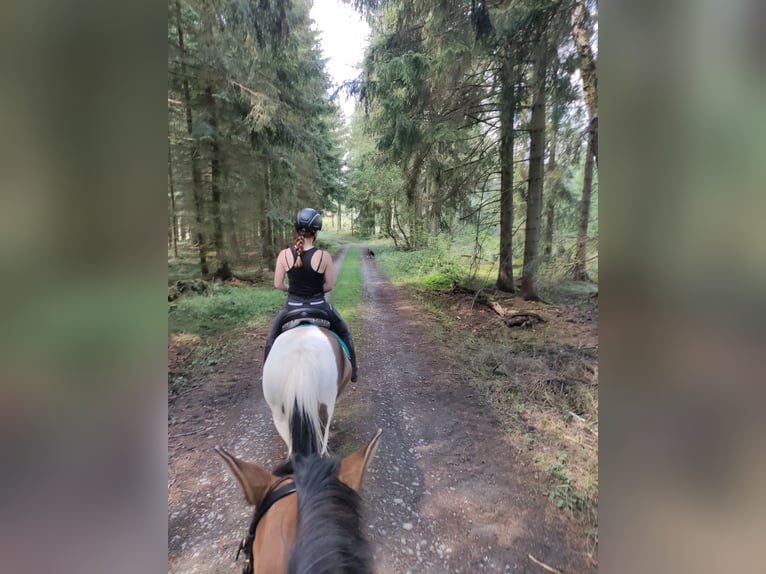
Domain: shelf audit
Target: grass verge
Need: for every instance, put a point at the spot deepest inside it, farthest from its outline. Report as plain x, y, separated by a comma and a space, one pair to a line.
222, 308
347, 294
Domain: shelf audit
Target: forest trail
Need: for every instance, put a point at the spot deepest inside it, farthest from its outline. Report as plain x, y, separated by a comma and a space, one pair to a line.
445, 492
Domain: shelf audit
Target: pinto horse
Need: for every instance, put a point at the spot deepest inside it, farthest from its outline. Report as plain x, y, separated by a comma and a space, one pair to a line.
304, 374
307, 516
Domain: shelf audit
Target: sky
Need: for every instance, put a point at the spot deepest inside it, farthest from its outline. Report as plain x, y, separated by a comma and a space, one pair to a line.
343, 37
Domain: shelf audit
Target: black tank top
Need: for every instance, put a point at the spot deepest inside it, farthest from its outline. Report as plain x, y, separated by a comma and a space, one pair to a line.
305, 282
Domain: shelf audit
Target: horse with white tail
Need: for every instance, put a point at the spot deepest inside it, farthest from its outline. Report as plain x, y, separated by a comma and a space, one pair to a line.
305, 372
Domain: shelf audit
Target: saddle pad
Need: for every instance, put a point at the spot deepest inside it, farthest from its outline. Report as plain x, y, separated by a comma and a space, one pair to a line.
342, 344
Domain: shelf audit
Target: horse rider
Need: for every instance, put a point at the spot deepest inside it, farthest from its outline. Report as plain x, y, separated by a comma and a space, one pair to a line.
311, 275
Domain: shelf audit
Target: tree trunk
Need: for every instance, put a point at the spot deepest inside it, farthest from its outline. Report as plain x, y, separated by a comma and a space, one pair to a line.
232, 233
267, 237
416, 214
195, 155
581, 34
579, 272
550, 214
550, 203
507, 113
223, 271
407, 242
339, 220
436, 206
535, 187
173, 214
390, 225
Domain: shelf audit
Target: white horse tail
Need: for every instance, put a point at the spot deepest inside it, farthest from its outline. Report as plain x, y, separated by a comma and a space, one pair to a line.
301, 374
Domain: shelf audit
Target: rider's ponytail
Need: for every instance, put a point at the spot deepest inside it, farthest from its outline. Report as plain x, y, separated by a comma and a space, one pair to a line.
299, 245
299, 250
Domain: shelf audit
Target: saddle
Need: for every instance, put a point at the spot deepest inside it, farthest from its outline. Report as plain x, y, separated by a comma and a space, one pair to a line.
310, 316
304, 316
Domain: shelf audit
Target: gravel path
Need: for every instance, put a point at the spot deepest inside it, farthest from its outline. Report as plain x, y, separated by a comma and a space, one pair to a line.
444, 493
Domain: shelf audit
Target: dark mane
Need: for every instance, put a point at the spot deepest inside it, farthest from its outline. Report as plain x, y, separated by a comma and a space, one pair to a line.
330, 538
284, 469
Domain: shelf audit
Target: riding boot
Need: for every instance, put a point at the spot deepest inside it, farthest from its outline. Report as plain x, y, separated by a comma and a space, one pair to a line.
267, 348
275, 330
338, 325
352, 355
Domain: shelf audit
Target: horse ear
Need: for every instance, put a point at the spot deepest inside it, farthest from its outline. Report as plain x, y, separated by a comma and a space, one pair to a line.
353, 466
253, 479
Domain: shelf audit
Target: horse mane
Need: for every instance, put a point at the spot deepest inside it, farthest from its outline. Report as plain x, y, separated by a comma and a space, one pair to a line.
330, 537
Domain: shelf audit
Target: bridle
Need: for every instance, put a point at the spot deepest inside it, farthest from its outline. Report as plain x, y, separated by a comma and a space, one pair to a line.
276, 492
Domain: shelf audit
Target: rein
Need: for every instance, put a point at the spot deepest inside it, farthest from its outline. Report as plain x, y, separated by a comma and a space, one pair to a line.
272, 496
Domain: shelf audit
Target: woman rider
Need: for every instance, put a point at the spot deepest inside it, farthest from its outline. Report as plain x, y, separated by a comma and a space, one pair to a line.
311, 275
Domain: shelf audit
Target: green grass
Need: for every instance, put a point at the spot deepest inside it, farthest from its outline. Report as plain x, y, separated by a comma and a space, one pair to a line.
563, 493
183, 270
435, 268
347, 294
223, 308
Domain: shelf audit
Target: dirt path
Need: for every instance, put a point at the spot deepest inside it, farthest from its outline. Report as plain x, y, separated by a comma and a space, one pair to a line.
445, 492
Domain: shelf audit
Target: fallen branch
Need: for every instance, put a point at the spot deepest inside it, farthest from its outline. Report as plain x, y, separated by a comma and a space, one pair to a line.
523, 319
479, 297
496, 307
542, 565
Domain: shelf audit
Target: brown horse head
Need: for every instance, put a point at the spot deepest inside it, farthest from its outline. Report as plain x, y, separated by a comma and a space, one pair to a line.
277, 523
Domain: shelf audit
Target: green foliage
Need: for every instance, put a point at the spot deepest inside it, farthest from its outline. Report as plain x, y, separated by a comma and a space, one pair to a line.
180, 269
563, 493
430, 158
222, 309
428, 268
375, 184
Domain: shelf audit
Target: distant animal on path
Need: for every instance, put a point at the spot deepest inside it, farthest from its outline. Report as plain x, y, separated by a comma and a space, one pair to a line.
370, 254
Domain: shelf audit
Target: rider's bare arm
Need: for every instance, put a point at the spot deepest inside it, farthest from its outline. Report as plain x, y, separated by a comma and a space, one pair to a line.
329, 273
280, 271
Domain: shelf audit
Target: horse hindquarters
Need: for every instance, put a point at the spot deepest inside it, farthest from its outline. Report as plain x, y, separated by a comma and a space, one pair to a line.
300, 379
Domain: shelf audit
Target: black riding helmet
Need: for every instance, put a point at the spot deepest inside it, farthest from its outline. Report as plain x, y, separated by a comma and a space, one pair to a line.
308, 220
